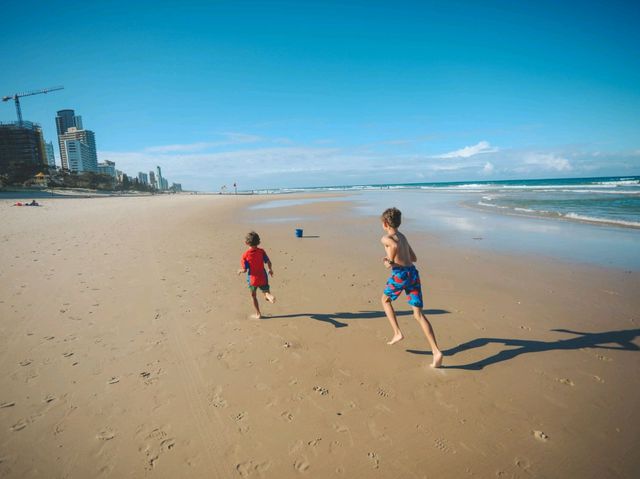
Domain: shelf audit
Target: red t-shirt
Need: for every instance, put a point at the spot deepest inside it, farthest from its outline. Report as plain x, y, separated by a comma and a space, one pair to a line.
253, 260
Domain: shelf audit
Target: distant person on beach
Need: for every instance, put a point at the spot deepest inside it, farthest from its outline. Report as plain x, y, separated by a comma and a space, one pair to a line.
252, 262
404, 277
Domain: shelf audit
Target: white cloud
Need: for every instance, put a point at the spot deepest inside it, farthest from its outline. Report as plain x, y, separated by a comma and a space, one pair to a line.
469, 151
548, 161
230, 138
488, 168
257, 162
446, 167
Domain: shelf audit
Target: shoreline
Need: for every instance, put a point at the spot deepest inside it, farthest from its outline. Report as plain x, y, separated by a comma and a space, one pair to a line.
137, 356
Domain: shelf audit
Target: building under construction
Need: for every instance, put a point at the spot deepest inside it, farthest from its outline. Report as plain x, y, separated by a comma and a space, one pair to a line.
22, 150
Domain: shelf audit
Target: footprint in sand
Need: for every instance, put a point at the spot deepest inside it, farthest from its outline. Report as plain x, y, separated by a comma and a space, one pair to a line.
375, 459
598, 378
114, 380
167, 444
245, 469
106, 435
49, 398
604, 358
540, 436
320, 390
68, 354
7, 404
218, 401
565, 381
25, 362
383, 393
301, 465
20, 425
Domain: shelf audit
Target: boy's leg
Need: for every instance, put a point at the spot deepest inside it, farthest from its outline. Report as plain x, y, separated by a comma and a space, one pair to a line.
258, 315
391, 316
431, 337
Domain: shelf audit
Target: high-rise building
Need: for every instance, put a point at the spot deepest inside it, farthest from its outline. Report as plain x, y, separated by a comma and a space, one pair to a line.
143, 178
159, 179
51, 157
107, 168
80, 157
22, 148
67, 119
165, 184
152, 180
85, 136
177, 187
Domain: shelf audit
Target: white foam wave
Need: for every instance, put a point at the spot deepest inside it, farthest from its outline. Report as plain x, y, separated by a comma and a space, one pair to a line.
491, 205
621, 182
593, 219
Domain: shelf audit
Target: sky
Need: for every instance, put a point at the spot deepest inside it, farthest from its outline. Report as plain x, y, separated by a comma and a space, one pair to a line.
275, 94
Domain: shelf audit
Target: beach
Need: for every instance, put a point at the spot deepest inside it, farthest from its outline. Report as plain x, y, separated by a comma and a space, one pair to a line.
127, 349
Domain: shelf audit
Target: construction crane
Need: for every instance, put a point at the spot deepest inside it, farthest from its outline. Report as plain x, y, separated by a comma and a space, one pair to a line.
16, 97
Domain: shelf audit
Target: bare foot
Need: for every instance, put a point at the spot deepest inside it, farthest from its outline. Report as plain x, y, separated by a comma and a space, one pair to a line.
269, 297
437, 360
256, 316
396, 338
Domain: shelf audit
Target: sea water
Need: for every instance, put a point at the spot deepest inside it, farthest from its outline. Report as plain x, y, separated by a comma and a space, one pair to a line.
588, 220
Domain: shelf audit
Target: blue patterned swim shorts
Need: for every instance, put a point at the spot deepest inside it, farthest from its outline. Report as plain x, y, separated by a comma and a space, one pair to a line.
407, 279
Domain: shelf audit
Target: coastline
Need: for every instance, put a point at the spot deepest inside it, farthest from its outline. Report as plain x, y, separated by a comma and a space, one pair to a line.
172, 376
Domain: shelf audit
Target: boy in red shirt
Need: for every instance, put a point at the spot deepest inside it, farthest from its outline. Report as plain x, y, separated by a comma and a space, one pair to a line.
252, 262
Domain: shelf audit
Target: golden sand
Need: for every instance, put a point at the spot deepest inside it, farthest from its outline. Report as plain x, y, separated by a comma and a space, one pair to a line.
126, 350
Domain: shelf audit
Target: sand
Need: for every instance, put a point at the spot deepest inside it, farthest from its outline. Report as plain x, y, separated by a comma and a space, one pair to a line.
126, 350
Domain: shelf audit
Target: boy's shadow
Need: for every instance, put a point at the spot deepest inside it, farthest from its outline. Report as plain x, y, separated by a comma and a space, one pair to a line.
623, 339
334, 318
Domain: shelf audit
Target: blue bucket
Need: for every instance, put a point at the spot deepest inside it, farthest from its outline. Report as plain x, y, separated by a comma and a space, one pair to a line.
298, 233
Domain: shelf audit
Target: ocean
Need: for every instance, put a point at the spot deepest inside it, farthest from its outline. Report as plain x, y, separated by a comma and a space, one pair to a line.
603, 200
586, 220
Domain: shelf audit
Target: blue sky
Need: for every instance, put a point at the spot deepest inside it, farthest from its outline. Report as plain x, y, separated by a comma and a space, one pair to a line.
306, 93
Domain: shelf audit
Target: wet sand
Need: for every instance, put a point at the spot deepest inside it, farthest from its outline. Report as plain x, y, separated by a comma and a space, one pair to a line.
126, 350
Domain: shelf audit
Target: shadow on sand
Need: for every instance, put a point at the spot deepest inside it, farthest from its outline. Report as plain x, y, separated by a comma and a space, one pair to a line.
616, 340
334, 318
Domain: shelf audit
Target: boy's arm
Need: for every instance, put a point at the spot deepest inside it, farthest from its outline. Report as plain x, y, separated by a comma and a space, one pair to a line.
391, 248
243, 264
268, 263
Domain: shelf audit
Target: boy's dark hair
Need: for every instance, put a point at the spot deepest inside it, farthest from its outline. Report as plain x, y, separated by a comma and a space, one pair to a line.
392, 216
252, 238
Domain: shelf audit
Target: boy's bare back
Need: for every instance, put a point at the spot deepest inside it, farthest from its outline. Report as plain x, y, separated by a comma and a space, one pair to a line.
398, 249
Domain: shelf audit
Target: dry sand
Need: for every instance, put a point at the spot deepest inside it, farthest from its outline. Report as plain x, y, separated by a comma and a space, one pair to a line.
126, 350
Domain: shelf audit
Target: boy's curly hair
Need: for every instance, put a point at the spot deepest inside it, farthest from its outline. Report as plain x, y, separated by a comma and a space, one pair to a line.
252, 238
392, 216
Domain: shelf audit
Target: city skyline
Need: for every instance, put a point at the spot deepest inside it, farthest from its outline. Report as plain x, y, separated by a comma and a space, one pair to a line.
282, 94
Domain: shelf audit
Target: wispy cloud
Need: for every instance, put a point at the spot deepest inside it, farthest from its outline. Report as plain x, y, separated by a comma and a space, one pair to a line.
549, 161
479, 148
229, 139
257, 162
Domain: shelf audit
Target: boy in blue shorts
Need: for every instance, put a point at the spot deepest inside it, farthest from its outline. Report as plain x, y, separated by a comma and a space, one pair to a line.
252, 262
404, 277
